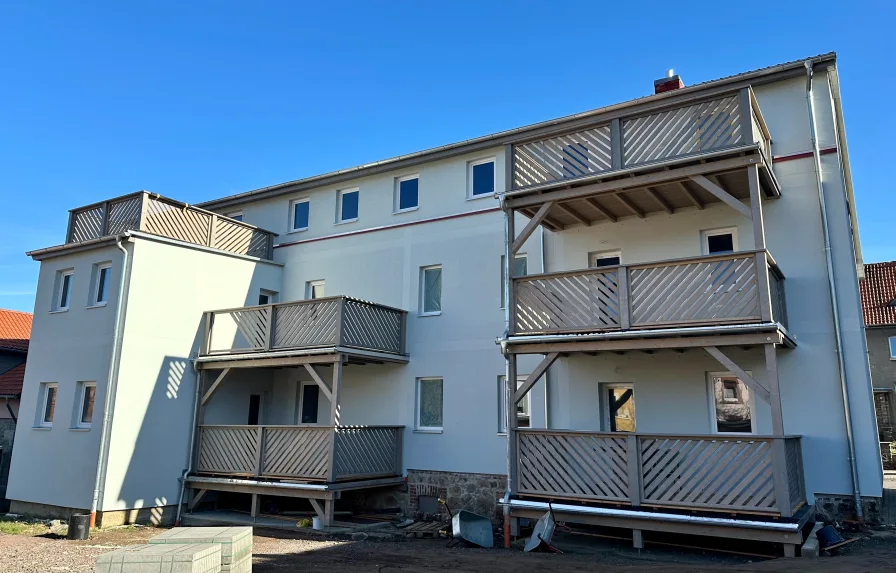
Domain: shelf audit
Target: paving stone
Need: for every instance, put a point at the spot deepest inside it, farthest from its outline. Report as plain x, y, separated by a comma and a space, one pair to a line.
236, 542
167, 558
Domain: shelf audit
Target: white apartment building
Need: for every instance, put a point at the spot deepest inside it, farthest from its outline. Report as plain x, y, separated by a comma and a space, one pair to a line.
653, 275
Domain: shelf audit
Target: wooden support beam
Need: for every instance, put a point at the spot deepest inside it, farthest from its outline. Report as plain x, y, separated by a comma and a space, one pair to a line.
664, 205
318, 508
320, 381
533, 377
575, 214
722, 195
621, 345
269, 362
754, 385
629, 205
197, 497
601, 209
214, 387
530, 227
690, 195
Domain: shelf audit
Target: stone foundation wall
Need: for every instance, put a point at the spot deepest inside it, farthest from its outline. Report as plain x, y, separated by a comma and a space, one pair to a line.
145, 516
839, 507
478, 493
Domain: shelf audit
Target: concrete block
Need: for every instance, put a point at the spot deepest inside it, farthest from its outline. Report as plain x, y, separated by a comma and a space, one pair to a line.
244, 565
194, 558
236, 542
810, 547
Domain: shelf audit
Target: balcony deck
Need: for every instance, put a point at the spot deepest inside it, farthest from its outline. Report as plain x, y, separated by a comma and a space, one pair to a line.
258, 335
156, 215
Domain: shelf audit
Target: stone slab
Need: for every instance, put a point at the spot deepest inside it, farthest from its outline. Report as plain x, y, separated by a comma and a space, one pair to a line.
236, 542
810, 547
167, 558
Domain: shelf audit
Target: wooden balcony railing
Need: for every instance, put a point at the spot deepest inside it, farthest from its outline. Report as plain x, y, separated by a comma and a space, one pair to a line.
324, 322
743, 287
706, 473
157, 215
725, 122
324, 453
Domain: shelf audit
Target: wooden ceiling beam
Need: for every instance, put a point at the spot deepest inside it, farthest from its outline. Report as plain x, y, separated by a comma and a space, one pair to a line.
690, 194
601, 209
629, 205
659, 200
575, 214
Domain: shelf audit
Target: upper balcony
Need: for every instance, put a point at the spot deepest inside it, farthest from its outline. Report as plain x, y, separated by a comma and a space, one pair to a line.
151, 213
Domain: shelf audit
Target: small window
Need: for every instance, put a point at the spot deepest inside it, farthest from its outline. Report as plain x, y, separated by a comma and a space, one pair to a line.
892, 341
523, 408
719, 241
314, 289
407, 193
520, 269
63, 290
605, 259
619, 407
481, 178
101, 287
731, 405
348, 206
431, 290
429, 404
86, 399
47, 405
299, 211
267, 296
236, 215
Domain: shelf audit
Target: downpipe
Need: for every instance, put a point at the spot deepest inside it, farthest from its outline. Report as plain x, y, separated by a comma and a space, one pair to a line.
111, 384
816, 153
189, 469
507, 373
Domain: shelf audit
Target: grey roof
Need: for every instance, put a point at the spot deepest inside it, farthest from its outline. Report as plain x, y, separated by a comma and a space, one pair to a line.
496, 139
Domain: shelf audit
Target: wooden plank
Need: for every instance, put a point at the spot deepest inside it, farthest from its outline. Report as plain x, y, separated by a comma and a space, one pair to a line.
530, 226
271, 362
334, 419
634, 473
601, 209
626, 202
318, 508
664, 205
642, 343
534, 376
197, 497
575, 214
754, 385
690, 194
214, 387
756, 207
623, 296
722, 195
320, 381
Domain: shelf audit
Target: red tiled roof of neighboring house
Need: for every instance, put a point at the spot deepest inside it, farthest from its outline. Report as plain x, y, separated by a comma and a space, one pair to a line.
11, 381
879, 294
15, 330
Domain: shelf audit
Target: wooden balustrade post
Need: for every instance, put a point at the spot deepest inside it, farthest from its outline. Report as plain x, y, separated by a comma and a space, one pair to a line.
779, 450
207, 334
212, 227
616, 144
633, 453
269, 329
334, 417
403, 333
624, 297
105, 226
144, 201
340, 321
399, 443
512, 423
763, 286
259, 451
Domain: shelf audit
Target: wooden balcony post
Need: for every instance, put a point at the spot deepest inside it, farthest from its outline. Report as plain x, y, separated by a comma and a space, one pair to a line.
511, 423
509, 285
105, 226
399, 449
746, 115
269, 329
212, 226
633, 452
762, 279
71, 222
207, 335
259, 451
403, 333
334, 417
623, 297
340, 321
616, 144
779, 451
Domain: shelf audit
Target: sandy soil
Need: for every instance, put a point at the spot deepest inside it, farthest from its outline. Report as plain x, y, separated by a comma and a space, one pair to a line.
281, 552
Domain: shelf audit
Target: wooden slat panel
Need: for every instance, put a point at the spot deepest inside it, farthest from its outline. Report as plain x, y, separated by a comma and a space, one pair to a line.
563, 157
227, 450
587, 300
370, 326
124, 215
796, 480
177, 222
307, 323
243, 329
296, 452
86, 224
363, 452
233, 237
779, 302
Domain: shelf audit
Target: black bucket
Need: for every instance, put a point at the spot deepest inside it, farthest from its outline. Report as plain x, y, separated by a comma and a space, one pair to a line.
78, 526
828, 536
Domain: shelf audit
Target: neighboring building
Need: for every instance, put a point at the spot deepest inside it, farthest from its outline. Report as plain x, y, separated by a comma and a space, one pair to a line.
879, 305
352, 347
15, 331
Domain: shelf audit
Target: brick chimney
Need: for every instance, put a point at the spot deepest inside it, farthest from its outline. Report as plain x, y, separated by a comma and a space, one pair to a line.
671, 82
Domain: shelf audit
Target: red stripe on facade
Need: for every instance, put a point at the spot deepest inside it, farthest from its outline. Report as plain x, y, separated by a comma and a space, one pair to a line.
780, 158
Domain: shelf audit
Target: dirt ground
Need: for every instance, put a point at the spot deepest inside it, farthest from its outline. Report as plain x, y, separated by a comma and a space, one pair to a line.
283, 551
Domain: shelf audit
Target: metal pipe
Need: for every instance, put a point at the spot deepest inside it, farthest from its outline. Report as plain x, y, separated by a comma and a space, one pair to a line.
507, 358
816, 153
189, 468
111, 383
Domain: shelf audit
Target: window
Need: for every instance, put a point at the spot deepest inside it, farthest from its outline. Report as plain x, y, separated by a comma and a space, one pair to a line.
407, 193
47, 405
520, 269
63, 290
267, 296
892, 341
314, 289
86, 398
310, 399
348, 206
605, 259
719, 241
299, 210
101, 284
481, 178
618, 407
523, 408
236, 215
731, 405
430, 290
429, 404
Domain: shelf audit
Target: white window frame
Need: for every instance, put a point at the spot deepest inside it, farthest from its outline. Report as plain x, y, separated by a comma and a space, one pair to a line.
309, 288
57, 304
44, 395
605, 405
597, 255
515, 257
396, 207
271, 294
82, 395
421, 308
340, 194
891, 341
470, 166
711, 396
235, 214
527, 401
95, 301
292, 215
417, 426
707, 233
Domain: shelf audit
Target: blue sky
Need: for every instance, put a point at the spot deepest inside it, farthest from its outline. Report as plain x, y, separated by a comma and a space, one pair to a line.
204, 99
